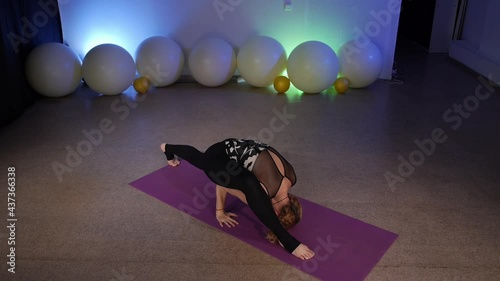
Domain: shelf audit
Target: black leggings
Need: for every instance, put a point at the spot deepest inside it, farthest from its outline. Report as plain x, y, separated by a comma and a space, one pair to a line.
226, 172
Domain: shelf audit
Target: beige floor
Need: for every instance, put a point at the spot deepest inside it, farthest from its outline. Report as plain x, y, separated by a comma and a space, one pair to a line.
93, 226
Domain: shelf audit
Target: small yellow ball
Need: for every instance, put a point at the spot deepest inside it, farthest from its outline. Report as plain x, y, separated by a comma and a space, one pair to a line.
281, 84
142, 85
341, 85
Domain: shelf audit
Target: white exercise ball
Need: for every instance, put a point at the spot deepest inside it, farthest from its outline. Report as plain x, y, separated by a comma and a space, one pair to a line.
360, 64
260, 60
108, 69
160, 59
312, 67
53, 70
212, 62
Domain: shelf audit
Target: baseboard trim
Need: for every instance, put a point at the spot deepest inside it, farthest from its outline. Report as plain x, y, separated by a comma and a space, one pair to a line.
473, 58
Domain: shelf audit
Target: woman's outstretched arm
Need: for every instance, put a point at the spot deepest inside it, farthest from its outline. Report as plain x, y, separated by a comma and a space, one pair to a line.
248, 185
220, 197
223, 217
260, 204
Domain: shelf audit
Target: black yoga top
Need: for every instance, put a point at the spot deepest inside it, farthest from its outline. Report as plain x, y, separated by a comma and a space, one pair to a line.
255, 157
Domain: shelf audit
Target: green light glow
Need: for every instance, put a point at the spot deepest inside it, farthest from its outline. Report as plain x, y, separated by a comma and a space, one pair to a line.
301, 27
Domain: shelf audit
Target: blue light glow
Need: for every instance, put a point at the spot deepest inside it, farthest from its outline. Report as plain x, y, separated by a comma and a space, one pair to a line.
87, 24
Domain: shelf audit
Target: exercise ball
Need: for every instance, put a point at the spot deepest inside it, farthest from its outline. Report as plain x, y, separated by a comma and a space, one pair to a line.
160, 60
361, 64
142, 85
108, 69
53, 70
212, 62
341, 85
281, 84
312, 67
260, 60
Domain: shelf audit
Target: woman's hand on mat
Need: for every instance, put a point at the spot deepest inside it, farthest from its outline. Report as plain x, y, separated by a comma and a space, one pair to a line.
303, 252
226, 218
174, 162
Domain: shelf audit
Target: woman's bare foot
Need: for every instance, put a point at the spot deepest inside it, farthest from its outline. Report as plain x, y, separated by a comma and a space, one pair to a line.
174, 162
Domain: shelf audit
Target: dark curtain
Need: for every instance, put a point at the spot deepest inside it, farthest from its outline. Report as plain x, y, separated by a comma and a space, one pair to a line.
24, 24
416, 20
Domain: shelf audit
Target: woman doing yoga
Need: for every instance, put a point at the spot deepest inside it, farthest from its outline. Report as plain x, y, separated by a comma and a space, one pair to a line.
255, 173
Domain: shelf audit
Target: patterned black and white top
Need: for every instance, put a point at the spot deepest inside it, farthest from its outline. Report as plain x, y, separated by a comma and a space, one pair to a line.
244, 151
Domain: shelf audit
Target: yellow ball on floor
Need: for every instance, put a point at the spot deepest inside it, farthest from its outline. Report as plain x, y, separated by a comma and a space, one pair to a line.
281, 84
142, 85
341, 85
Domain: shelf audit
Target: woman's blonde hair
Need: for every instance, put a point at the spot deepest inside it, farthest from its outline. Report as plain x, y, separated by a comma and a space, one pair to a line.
289, 216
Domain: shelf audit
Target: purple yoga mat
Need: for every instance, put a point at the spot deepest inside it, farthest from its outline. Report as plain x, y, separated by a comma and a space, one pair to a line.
346, 249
